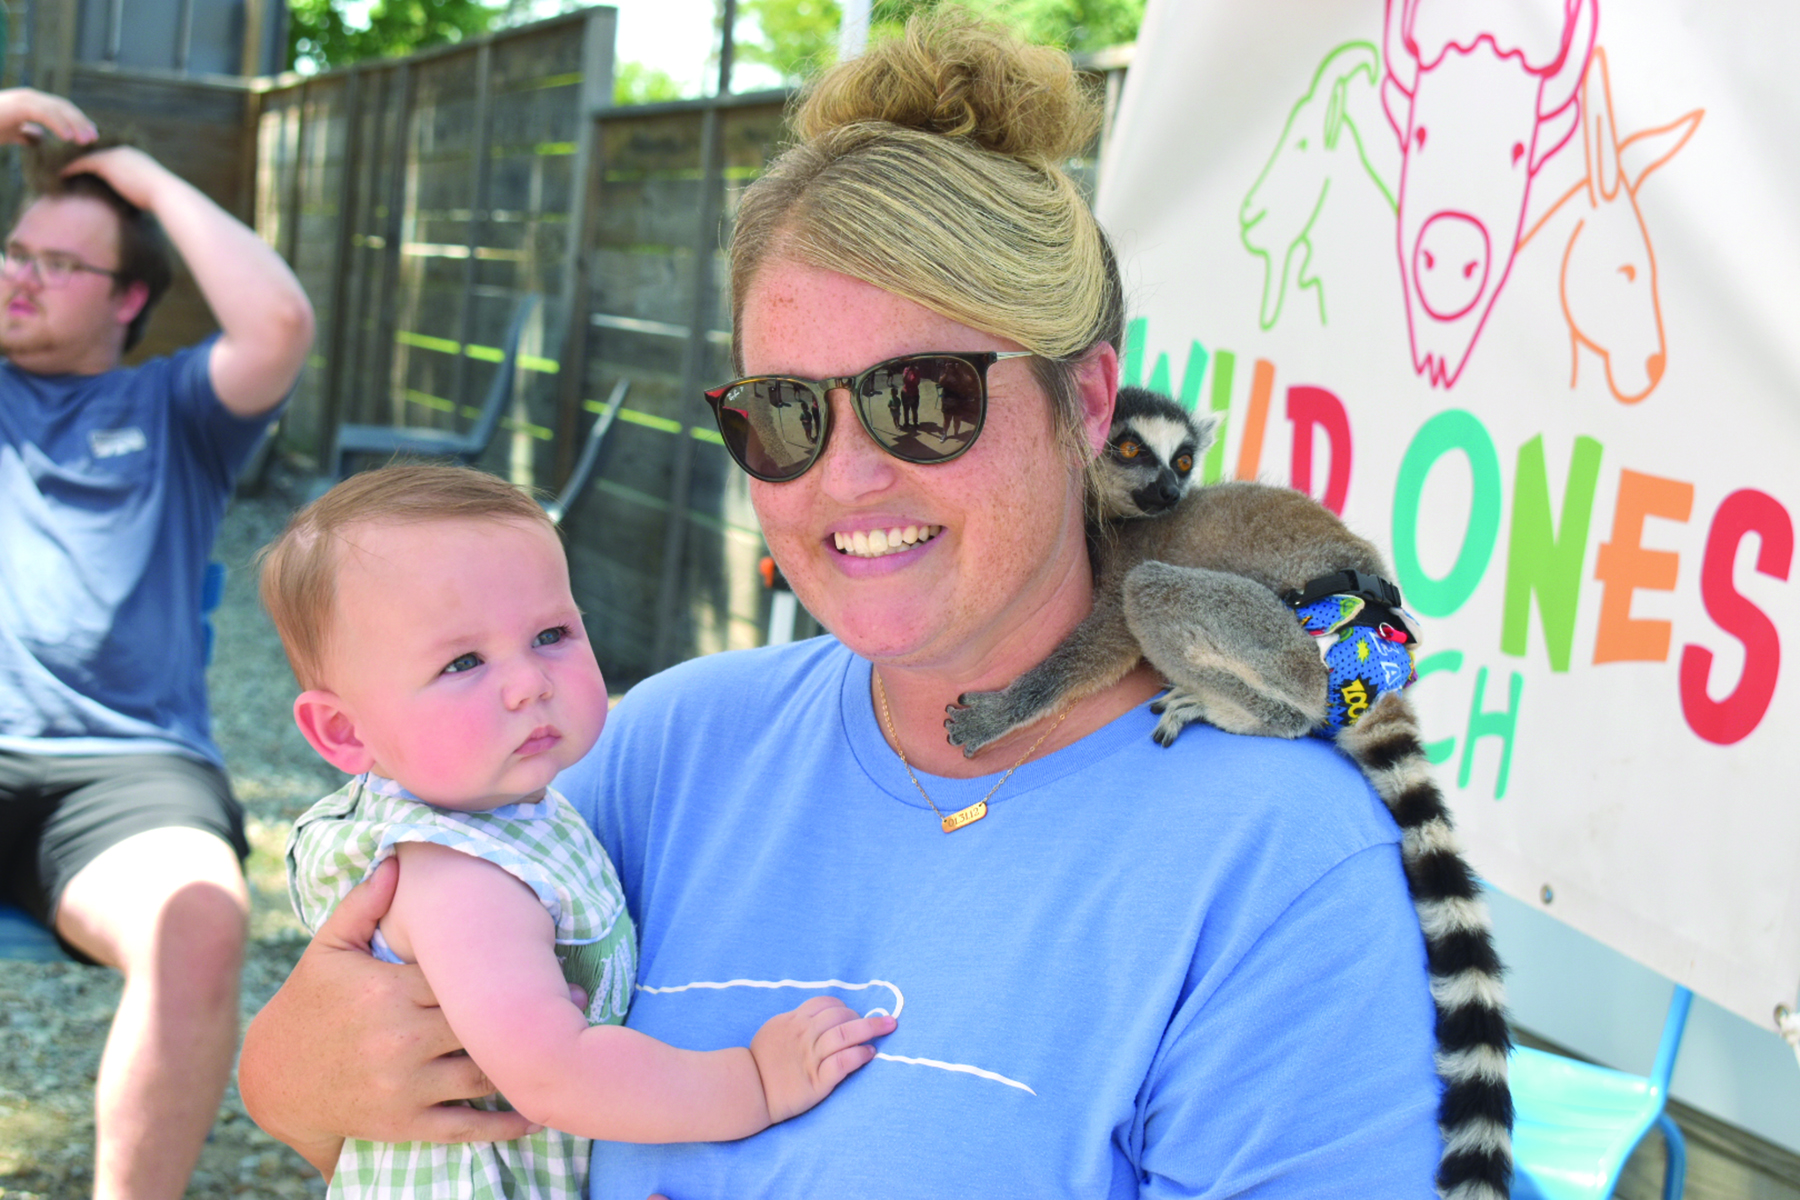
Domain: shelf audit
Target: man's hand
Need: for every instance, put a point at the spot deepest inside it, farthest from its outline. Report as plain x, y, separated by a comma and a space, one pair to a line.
26, 115
131, 173
803, 1054
351, 1047
265, 321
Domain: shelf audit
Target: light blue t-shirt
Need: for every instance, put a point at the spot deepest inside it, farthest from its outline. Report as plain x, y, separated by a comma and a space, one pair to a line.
1148, 972
111, 490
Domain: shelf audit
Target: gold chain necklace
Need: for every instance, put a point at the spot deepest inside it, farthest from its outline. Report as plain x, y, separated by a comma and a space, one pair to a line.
975, 811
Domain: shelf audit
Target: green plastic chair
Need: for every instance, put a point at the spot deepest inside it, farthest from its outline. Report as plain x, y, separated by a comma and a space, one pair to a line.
1577, 1123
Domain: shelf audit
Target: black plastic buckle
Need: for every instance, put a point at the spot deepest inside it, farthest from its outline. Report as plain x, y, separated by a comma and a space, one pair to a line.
1372, 588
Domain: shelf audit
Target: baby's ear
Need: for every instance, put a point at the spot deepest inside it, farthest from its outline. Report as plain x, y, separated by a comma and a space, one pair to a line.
329, 729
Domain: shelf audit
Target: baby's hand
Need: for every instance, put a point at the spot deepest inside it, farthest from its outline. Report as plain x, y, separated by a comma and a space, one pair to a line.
803, 1054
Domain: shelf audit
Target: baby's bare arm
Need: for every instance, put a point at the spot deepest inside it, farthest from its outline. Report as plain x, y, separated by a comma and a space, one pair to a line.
352, 1047
486, 946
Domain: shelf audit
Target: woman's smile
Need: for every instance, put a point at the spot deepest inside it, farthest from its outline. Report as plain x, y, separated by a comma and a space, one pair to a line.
879, 543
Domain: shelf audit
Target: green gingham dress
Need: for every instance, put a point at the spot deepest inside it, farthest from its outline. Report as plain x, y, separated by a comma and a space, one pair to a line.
548, 847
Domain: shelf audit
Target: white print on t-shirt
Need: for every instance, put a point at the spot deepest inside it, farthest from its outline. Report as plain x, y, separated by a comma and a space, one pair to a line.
110, 443
820, 985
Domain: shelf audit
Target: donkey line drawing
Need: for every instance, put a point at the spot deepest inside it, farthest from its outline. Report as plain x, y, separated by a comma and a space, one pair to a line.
1608, 280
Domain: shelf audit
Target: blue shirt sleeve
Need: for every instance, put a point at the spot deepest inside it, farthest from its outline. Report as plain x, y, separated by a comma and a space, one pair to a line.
1309, 1086
219, 441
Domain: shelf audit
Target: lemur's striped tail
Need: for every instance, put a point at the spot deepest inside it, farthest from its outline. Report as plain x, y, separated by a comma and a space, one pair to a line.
1476, 1112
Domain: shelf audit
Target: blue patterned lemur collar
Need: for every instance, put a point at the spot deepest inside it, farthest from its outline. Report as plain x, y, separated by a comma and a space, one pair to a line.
1371, 643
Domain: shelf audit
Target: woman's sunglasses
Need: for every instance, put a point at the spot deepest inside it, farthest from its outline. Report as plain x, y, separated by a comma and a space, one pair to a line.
921, 408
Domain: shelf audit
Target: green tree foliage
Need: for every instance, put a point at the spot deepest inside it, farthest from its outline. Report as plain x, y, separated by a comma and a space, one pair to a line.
635, 83
1078, 26
799, 36
320, 38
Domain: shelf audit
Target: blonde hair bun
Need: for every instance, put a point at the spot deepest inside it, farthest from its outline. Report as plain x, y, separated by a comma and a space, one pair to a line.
954, 75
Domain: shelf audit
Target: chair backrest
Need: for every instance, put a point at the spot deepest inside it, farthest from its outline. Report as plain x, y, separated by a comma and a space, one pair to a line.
1673, 1026
500, 390
582, 475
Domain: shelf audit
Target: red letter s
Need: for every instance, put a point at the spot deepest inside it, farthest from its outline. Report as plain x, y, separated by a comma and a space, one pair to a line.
1731, 719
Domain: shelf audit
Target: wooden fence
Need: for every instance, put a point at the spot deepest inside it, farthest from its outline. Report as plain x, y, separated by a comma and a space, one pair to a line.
418, 199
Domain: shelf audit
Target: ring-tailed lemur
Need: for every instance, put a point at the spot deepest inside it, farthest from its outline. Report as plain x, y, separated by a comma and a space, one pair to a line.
1214, 592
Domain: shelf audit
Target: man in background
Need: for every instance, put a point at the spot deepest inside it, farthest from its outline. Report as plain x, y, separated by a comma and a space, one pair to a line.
118, 828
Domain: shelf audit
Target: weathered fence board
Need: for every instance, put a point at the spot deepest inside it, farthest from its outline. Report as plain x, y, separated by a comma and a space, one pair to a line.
443, 187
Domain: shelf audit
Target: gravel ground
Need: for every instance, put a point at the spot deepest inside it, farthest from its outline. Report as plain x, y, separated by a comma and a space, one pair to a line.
57, 1014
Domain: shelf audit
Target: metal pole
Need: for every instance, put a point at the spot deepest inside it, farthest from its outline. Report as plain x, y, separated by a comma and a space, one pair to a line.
693, 358
853, 30
184, 37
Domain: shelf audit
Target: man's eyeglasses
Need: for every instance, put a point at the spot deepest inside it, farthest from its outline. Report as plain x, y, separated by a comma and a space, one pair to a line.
921, 408
52, 268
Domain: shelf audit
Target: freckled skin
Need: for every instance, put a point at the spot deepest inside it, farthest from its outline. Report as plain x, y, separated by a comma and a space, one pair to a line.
1008, 576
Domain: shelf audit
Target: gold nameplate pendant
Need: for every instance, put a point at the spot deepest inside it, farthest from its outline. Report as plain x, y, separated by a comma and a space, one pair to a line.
967, 816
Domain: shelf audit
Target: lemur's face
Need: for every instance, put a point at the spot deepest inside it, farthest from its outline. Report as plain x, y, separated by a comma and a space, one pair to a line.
1148, 465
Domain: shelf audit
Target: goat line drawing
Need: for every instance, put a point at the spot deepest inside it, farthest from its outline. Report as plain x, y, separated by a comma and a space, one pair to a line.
1276, 219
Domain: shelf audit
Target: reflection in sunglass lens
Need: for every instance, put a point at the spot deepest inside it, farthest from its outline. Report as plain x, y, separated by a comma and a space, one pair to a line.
923, 409
772, 426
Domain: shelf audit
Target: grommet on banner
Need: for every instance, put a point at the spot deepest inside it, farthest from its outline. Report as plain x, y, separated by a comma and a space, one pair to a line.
1788, 1022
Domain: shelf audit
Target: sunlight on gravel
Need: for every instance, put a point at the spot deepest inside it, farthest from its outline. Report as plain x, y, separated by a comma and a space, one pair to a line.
57, 1014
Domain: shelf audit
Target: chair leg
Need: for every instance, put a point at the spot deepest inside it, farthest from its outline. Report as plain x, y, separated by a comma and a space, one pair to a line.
1675, 1170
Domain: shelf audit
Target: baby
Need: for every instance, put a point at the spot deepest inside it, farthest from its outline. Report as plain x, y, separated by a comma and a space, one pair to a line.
426, 610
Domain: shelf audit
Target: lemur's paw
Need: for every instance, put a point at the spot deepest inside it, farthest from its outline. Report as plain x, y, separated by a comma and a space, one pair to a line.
976, 719
1178, 710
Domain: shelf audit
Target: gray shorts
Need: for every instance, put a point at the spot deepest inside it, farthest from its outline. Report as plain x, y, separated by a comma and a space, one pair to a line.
57, 814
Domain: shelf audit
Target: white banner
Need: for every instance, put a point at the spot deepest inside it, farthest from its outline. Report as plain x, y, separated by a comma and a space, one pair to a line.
1512, 286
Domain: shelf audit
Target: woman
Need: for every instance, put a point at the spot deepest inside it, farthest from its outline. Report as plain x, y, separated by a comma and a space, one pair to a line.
1118, 970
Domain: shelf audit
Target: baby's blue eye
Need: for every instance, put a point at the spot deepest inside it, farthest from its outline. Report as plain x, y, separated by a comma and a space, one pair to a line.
463, 662
551, 636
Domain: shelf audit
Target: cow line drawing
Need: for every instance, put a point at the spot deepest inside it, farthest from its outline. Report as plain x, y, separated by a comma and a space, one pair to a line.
1277, 215
1478, 113
1608, 281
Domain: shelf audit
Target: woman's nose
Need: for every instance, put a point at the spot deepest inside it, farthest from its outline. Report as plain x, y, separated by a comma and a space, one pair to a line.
852, 465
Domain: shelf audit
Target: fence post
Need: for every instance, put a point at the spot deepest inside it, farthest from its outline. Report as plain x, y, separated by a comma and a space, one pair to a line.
290, 230
478, 214
596, 94
330, 411
371, 150
387, 318
693, 358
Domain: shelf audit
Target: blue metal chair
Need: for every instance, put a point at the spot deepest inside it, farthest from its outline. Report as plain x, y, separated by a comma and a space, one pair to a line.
583, 474
1577, 1123
466, 447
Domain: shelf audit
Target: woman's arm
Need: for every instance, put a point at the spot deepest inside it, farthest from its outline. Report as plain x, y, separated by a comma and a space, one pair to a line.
352, 1047
486, 944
